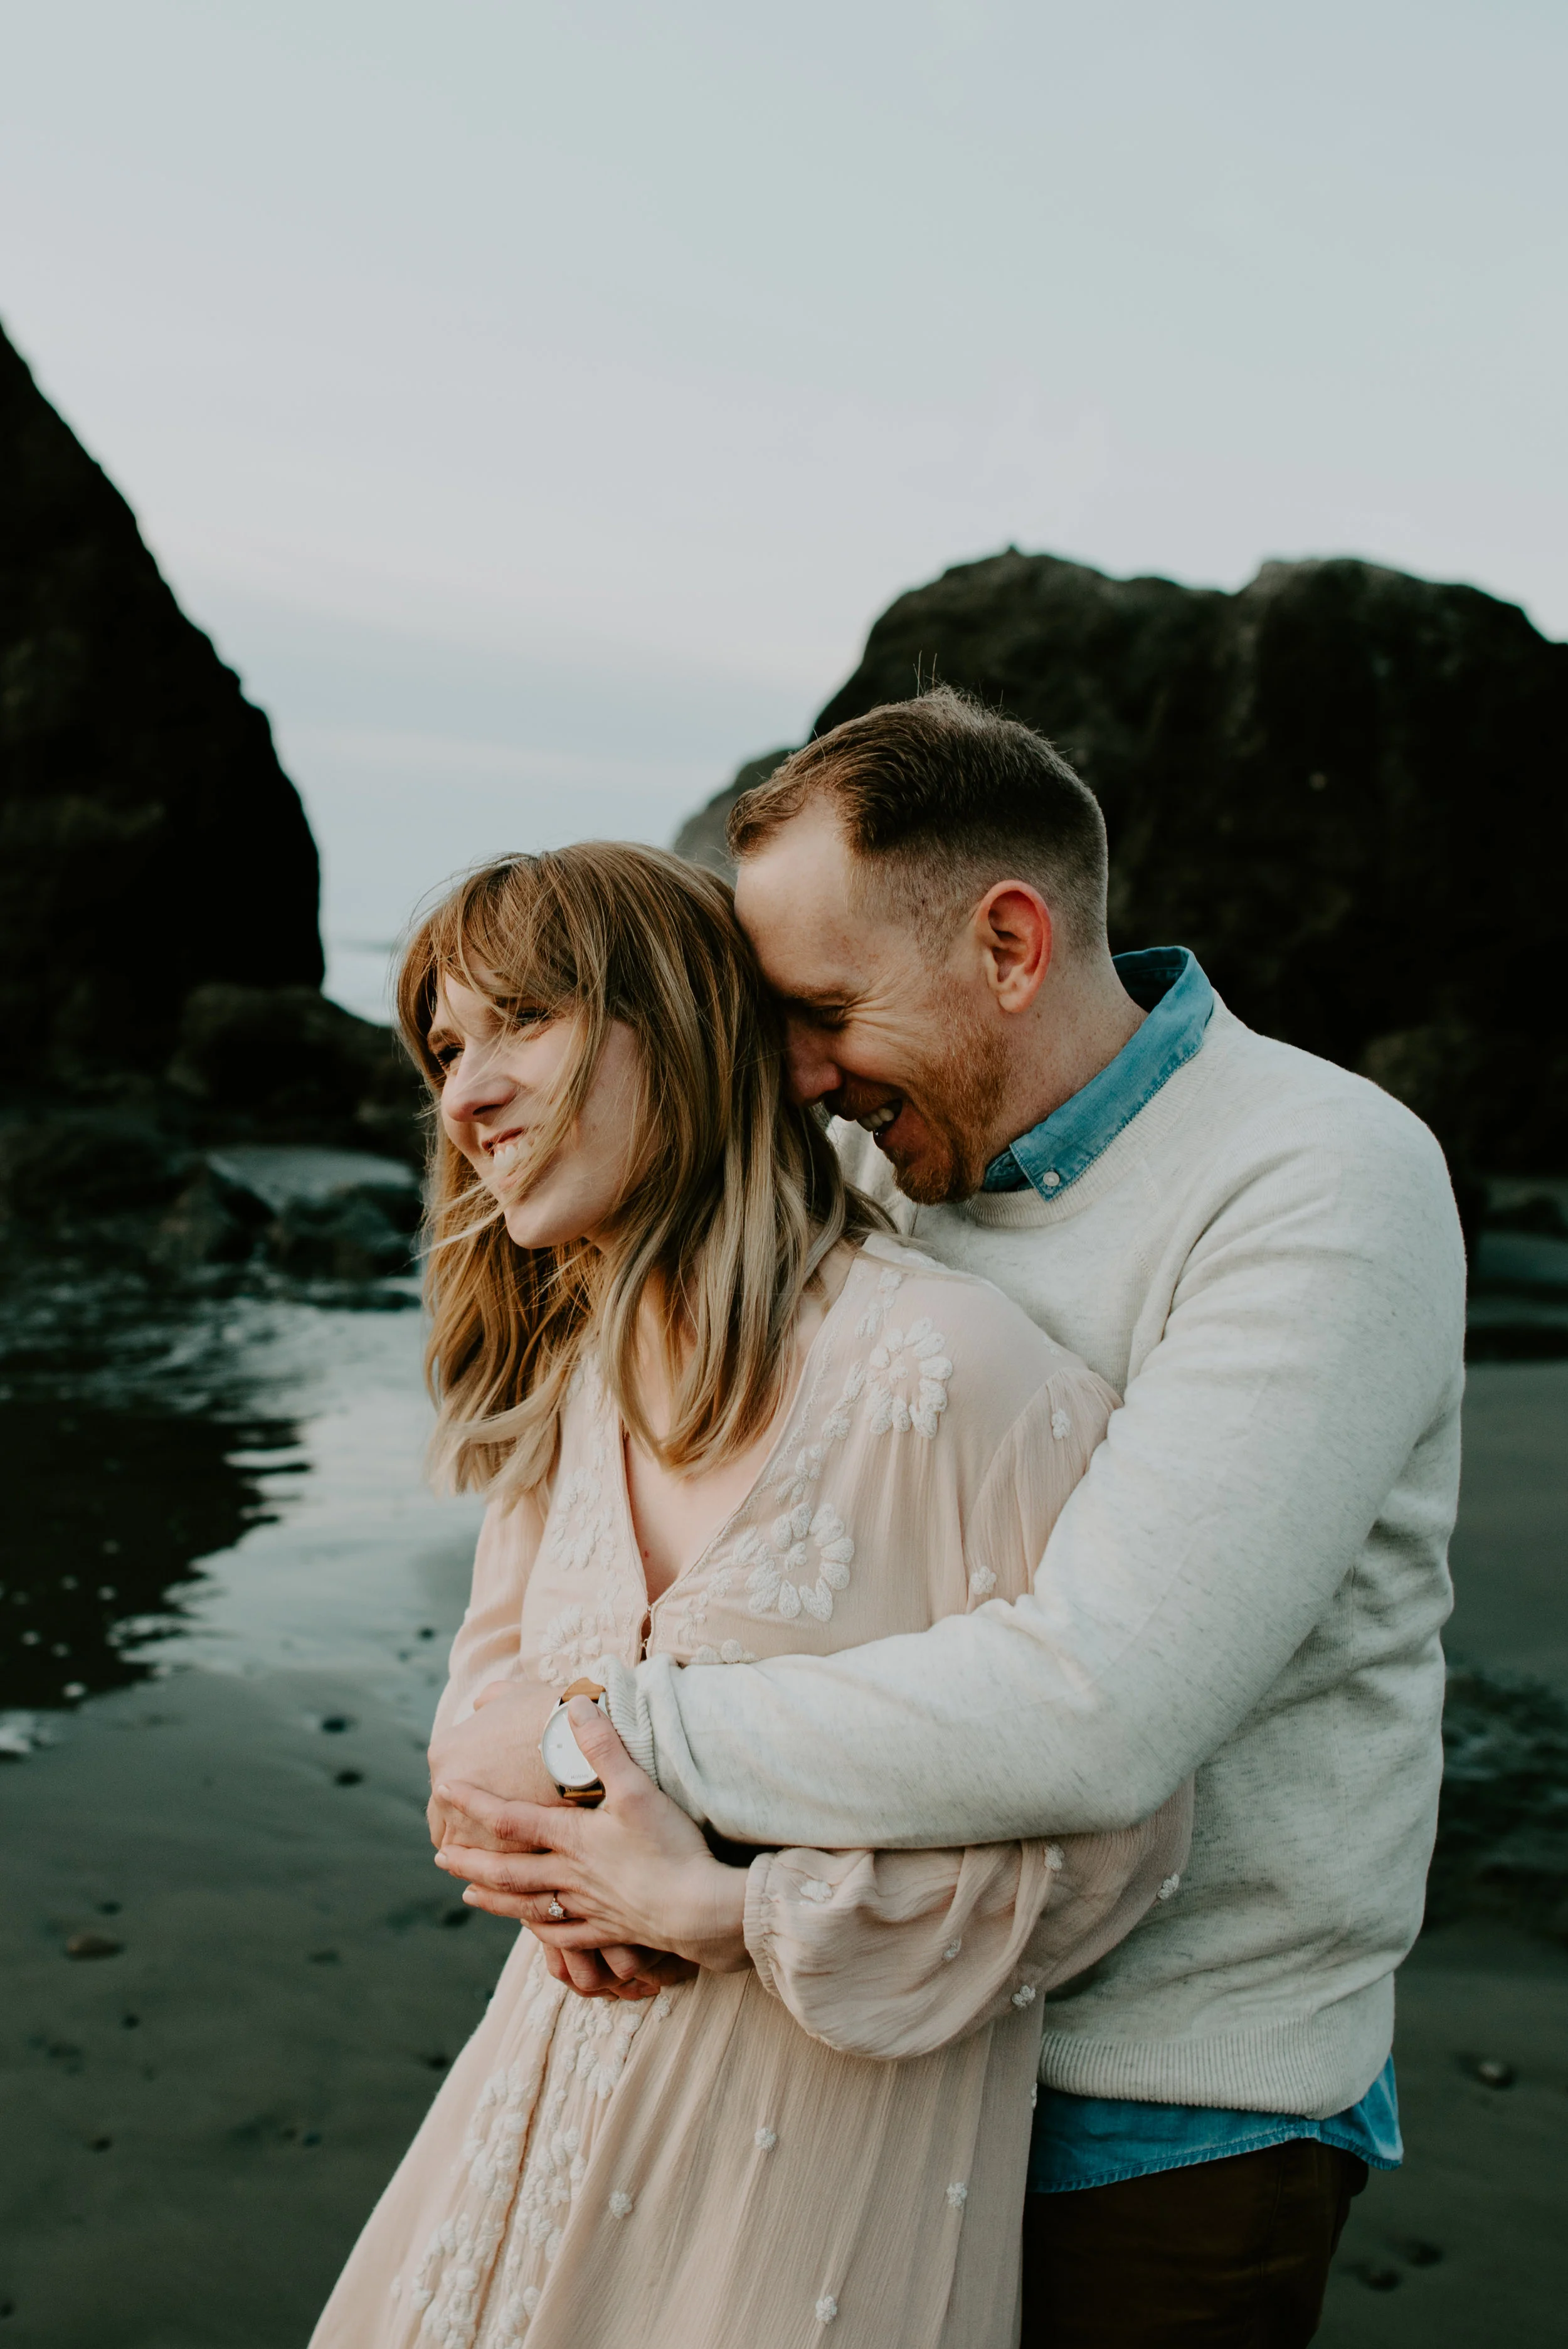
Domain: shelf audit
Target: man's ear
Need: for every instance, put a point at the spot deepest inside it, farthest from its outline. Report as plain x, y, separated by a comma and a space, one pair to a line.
1012, 927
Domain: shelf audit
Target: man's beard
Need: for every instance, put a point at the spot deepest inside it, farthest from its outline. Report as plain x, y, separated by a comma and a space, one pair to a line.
957, 1098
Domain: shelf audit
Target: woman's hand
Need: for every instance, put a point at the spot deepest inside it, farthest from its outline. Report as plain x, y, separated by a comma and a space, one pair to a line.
616, 1972
496, 1746
634, 1873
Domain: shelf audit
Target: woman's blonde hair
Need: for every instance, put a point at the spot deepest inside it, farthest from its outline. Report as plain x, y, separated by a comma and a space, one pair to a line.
734, 1195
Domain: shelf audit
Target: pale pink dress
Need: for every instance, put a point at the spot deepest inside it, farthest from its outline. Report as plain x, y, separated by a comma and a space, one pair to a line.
828, 2148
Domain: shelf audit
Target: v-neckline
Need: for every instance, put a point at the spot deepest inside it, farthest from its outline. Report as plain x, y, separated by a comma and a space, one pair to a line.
805, 1391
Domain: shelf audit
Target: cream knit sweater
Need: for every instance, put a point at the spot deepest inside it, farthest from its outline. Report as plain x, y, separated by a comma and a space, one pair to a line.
1248, 1583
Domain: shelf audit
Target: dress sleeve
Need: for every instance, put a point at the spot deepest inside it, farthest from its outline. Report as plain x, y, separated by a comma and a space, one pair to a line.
891, 1953
486, 1647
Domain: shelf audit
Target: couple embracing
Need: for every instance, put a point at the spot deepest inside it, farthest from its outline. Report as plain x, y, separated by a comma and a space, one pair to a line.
952, 1686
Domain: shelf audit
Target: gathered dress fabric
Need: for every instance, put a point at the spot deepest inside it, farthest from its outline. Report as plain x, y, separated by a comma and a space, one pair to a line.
830, 2147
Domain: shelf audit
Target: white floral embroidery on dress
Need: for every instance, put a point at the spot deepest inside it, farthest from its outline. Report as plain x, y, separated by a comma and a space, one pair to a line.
607, 2042
805, 1564
688, 1619
1055, 1858
577, 1638
795, 1474
765, 2139
1172, 1886
888, 1286
813, 1888
447, 2283
1061, 1425
957, 2194
1024, 1995
837, 1425
589, 2044
827, 2309
982, 1582
582, 1522
910, 1370
621, 2205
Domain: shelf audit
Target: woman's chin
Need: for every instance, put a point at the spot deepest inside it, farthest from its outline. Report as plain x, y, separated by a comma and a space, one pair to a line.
527, 1227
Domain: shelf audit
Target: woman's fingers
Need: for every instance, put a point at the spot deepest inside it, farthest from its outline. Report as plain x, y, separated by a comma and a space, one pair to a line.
590, 1977
574, 1933
500, 1904
505, 1871
529, 1886
508, 1827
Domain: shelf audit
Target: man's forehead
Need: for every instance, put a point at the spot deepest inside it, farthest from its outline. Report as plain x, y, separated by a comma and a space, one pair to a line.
816, 938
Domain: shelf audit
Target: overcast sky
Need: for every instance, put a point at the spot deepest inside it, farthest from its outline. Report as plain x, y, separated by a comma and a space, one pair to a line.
537, 402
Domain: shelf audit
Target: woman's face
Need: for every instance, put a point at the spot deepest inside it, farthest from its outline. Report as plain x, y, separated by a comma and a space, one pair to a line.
500, 1081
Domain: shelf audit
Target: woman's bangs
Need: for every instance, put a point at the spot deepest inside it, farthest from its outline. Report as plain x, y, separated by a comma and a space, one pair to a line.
509, 943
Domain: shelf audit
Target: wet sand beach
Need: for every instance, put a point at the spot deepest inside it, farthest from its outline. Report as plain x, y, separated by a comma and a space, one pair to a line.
227, 1828
1466, 2243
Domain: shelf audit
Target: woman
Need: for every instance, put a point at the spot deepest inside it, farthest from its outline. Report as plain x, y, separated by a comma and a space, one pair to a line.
720, 1416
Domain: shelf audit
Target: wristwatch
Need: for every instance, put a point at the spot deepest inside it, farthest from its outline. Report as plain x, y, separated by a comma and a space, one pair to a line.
574, 1777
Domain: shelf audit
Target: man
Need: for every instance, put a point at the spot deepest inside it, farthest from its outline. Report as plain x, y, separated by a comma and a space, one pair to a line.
1262, 1254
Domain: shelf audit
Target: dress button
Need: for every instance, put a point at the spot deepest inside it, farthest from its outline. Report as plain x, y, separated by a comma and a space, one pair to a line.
1051, 1179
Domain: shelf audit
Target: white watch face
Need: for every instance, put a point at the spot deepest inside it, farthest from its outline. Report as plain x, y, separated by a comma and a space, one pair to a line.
562, 1756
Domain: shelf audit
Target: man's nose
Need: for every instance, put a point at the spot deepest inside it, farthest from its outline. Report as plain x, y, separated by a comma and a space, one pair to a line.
812, 1071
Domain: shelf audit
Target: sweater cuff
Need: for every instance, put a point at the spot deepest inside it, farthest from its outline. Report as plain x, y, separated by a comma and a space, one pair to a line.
629, 1716
758, 1905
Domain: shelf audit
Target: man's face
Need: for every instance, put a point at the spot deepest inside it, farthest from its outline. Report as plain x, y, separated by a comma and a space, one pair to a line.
898, 1032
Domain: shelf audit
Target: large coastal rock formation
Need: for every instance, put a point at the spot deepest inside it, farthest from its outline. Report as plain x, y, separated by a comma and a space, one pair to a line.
162, 1019
1345, 787
150, 842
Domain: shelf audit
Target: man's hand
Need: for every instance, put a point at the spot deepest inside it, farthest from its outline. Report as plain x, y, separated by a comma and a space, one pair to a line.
634, 1872
497, 1747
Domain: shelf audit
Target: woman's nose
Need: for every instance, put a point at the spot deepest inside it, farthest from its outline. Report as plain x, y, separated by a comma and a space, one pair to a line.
475, 1082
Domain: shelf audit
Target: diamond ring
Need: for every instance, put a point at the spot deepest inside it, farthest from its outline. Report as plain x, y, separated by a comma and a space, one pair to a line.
555, 1910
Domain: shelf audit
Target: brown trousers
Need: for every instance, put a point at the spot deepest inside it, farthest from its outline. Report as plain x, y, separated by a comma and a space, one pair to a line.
1230, 2254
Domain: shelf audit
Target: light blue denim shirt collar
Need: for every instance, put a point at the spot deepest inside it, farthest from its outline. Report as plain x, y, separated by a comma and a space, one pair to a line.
1168, 984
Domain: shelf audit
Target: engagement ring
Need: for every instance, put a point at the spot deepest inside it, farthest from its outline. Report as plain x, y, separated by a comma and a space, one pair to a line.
555, 1908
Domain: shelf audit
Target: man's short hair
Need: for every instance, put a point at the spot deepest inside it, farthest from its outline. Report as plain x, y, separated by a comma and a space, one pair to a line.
944, 798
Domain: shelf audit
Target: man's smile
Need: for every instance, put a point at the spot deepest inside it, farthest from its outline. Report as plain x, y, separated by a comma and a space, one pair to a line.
874, 1121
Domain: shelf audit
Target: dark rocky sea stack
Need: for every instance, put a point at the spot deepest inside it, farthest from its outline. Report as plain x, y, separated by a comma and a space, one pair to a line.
1345, 787
150, 842
160, 1005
